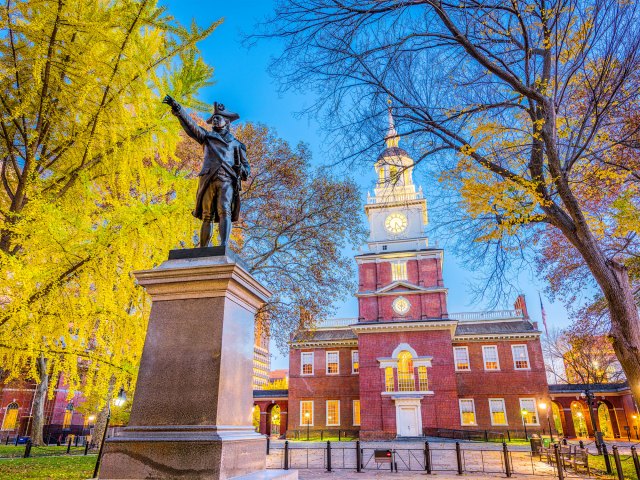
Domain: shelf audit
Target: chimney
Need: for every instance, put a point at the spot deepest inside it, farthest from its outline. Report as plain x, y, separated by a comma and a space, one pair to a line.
521, 304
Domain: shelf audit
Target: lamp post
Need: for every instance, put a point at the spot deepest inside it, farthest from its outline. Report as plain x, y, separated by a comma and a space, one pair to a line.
118, 402
547, 407
596, 434
524, 422
308, 420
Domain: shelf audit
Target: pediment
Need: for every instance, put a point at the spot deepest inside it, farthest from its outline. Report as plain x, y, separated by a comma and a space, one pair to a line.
400, 286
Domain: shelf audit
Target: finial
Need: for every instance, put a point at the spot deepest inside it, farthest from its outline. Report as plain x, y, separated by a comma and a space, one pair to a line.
391, 138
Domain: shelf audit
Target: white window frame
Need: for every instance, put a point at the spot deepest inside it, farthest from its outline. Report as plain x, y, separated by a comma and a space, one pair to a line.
473, 406
326, 363
313, 413
455, 361
313, 368
484, 358
326, 414
397, 268
526, 351
354, 353
504, 410
535, 408
353, 411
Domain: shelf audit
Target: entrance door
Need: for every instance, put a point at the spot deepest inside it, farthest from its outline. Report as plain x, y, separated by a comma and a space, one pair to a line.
408, 421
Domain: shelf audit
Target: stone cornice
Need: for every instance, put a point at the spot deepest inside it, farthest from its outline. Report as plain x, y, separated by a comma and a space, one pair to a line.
324, 343
481, 337
418, 290
395, 326
383, 256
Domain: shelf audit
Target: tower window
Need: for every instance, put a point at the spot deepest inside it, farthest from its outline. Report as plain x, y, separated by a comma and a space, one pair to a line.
398, 271
384, 247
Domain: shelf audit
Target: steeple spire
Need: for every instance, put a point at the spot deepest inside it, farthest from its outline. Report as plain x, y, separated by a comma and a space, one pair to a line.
391, 138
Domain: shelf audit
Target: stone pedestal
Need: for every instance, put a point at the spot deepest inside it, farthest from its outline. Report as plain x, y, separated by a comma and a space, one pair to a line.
191, 415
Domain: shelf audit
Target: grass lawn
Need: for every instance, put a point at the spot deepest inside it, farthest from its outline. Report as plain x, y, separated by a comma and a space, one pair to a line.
44, 468
597, 462
13, 451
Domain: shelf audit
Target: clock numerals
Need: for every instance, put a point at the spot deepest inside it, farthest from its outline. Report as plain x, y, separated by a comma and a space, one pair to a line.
401, 306
396, 223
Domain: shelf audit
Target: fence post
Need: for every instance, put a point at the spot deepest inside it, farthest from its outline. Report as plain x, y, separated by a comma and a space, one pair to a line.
358, 457
616, 458
636, 462
459, 458
268, 444
486, 436
607, 460
69, 445
581, 444
509, 435
27, 449
339, 436
328, 456
86, 447
507, 463
286, 454
6, 442
559, 465
427, 457
17, 438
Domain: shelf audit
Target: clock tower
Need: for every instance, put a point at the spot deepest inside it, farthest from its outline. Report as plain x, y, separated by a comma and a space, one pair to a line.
400, 276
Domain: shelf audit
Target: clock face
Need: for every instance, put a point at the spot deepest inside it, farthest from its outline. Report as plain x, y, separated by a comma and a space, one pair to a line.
401, 306
395, 223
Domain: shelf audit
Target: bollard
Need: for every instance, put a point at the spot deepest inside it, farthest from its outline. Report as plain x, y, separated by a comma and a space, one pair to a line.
339, 432
328, 456
581, 444
486, 436
6, 441
507, 463
509, 435
76, 440
286, 454
636, 462
559, 464
17, 438
358, 457
607, 460
616, 458
459, 458
564, 442
268, 444
27, 449
86, 447
69, 444
427, 457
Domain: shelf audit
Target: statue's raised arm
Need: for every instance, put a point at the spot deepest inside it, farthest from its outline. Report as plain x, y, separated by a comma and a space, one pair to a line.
225, 165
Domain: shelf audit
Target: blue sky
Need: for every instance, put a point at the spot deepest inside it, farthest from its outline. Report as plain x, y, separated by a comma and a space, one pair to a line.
244, 86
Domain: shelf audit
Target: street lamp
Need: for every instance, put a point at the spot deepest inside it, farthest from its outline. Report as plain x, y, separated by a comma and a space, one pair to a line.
524, 422
308, 419
547, 407
120, 400
597, 434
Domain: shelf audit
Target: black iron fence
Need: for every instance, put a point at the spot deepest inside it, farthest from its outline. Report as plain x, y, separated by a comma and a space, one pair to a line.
558, 461
478, 435
323, 435
74, 445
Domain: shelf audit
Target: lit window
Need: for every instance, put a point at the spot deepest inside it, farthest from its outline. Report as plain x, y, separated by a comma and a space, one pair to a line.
398, 271
461, 357
306, 412
393, 174
10, 421
381, 175
355, 361
406, 379
490, 357
68, 415
332, 363
307, 363
528, 411
423, 381
498, 413
356, 412
388, 379
520, 357
467, 412
333, 413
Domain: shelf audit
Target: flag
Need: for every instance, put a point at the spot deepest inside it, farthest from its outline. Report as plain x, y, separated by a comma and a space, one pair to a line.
544, 315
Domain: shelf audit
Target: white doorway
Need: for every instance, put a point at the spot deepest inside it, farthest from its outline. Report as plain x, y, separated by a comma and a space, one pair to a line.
408, 417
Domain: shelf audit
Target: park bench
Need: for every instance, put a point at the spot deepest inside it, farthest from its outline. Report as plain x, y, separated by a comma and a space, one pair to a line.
581, 460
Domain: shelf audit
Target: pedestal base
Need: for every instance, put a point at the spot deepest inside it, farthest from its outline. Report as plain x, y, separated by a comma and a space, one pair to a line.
202, 453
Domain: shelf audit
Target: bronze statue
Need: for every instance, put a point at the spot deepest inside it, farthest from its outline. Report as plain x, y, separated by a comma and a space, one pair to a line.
225, 165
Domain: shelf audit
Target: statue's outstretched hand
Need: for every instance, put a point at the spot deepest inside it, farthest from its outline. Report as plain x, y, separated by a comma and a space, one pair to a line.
168, 99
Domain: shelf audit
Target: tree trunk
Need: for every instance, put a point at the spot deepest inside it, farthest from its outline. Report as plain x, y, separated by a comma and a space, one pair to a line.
101, 420
39, 399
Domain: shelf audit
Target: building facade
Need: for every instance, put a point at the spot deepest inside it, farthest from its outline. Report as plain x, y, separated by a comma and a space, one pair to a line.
406, 366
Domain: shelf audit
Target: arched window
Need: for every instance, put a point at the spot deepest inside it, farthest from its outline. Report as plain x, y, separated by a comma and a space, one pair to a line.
579, 421
406, 379
10, 421
68, 415
381, 178
393, 174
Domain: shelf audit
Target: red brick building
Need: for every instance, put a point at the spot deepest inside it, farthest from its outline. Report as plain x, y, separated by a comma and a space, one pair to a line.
406, 366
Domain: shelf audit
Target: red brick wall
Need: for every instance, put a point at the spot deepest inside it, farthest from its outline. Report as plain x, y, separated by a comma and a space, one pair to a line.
321, 387
506, 383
